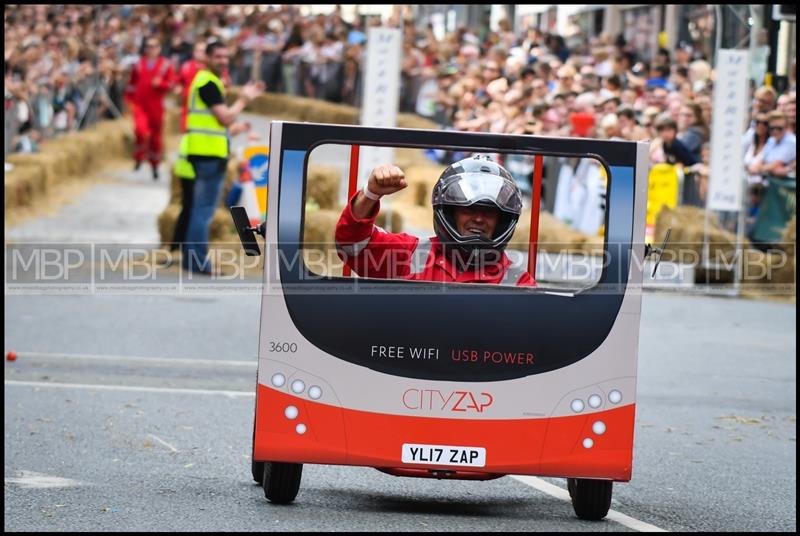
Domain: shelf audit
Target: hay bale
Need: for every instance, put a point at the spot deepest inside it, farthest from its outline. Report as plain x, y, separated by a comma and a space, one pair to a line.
555, 236
175, 188
74, 155
688, 229
415, 121
421, 180
319, 229
322, 186
46, 166
222, 228
20, 185
415, 216
396, 222
166, 222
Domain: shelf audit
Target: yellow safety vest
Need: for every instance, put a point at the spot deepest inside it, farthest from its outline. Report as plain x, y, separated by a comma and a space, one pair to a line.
183, 168
205, 135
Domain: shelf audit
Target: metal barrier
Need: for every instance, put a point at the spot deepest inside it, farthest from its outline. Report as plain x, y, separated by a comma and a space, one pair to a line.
44, 118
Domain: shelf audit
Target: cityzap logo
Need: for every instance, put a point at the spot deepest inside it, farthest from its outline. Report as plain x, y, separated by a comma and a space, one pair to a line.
434, 400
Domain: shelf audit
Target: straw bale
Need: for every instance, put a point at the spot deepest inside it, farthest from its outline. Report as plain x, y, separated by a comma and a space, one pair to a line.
414, 216
319, 228
222, 227
166, 222
20, 185
554, 235
396, 222
405, 158
46, 166
322, 186
175, 188
415, 121
421, 180
688, 229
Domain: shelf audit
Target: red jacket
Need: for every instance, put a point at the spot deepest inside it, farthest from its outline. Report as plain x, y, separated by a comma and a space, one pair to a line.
141, 88
185, 77
372, 252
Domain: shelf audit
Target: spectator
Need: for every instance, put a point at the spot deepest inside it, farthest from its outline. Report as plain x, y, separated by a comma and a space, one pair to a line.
754, 143
667, 147
779, 156
787, 103
693, 131
629, 128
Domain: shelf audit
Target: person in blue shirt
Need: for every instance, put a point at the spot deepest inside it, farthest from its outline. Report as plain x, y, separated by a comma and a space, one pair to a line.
778, 159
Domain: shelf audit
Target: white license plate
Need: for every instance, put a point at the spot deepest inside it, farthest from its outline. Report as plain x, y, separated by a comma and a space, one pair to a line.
444, 455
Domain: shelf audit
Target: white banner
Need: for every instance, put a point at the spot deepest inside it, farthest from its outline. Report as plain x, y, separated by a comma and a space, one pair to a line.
381, 93
727, 126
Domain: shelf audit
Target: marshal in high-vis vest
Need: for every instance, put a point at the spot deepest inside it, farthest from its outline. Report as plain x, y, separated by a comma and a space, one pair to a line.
210, 124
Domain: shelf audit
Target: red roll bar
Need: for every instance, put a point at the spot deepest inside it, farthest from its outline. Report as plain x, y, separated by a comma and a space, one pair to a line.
351, 187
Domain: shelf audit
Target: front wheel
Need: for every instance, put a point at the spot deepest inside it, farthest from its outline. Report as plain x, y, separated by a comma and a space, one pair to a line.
257, 468
281, 481
591, 498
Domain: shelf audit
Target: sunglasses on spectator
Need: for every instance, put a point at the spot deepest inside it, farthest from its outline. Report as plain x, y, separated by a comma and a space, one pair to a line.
764, 123
776, 128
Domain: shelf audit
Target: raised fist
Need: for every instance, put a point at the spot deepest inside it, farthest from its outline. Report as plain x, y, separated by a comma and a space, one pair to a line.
386, 179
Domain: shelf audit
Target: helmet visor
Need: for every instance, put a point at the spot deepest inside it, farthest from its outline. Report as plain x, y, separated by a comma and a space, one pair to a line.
471, 188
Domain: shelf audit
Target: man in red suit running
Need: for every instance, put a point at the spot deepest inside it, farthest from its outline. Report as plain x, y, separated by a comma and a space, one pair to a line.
151, 79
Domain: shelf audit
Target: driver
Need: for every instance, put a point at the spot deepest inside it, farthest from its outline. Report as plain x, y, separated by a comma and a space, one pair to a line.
476, 205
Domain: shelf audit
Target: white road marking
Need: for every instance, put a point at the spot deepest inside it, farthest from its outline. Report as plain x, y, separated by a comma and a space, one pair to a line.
32, 480
134, 388
170, 447
141, 359
563, 494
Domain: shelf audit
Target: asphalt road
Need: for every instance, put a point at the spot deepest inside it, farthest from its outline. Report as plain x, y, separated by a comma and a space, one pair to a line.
714, 448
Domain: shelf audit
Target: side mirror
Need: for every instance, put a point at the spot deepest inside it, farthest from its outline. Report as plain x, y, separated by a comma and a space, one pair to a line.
246, 232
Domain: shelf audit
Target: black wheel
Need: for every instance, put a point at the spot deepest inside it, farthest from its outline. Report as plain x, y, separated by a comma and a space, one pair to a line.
257, 469
281, 481
591, 499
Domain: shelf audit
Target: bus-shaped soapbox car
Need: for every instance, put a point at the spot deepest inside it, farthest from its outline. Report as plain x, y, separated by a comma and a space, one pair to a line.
397, 375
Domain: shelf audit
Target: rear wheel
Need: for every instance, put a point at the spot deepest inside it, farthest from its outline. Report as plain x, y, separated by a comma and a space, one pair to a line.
591, 498
281, 481
257, 468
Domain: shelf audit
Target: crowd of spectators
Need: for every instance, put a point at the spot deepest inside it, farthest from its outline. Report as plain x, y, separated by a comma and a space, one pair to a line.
526, 82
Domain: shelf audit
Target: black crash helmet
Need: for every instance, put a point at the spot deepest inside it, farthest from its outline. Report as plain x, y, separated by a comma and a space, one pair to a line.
475, 180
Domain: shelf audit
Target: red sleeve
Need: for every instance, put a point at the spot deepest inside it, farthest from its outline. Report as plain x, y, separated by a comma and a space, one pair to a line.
526, 280
185, 73
371, 251
167, 74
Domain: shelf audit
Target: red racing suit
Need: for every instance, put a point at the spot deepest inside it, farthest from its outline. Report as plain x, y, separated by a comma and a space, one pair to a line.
373, 252
146, 90
185, 77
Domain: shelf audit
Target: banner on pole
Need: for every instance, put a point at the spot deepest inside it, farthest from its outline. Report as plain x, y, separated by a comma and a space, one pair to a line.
727, 125
381, 93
